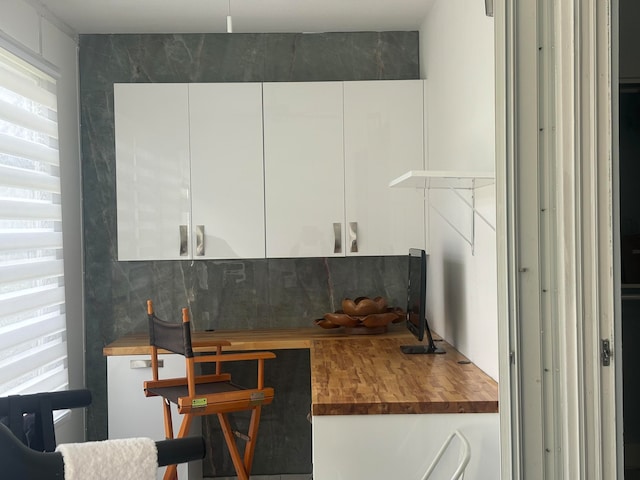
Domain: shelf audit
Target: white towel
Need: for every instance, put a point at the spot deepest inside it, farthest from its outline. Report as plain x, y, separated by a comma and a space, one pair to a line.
125, 459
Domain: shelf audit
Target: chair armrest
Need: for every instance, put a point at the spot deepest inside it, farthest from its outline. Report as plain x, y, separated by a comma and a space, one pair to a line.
167, 382
234, 357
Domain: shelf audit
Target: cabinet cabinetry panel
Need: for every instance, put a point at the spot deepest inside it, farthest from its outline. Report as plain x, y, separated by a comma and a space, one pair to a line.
152, 174
227, 187
304, 169
383, 138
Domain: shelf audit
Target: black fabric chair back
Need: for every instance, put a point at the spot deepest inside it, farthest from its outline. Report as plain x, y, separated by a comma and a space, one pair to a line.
175, 337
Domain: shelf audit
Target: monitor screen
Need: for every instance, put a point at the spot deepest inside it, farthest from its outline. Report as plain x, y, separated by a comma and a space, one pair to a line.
416, 315
416, 292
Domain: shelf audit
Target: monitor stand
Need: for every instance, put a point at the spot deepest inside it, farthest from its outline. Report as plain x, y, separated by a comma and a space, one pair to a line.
421, 349
429, 348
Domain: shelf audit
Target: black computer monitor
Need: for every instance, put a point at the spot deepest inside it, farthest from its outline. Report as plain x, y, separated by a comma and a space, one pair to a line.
416, 315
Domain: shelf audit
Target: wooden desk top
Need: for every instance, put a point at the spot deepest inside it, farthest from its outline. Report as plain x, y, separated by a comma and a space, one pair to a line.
362, 374
373, 376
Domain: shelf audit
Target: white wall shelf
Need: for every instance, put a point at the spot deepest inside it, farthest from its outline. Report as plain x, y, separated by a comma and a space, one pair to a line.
453, 181
429, 179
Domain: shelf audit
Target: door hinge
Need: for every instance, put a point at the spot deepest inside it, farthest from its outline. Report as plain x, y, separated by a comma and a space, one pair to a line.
605, 352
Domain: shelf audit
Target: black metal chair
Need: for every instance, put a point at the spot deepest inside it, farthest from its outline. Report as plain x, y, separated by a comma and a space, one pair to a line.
20, 462
30, 417
28, 443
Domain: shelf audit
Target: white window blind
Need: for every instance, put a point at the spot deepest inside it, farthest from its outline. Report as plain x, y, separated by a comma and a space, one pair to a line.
33, 341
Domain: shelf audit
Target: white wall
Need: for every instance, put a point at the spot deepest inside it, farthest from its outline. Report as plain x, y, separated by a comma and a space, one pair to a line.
457, 59
44, 36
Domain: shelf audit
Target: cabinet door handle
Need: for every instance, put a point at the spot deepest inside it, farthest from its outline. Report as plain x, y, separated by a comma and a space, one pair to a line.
144, 363
200, 240
353, 236
337, 238
184, 235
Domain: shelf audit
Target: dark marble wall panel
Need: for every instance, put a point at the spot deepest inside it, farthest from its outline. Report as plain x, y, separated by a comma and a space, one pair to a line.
341, 56
284, 440
221, 294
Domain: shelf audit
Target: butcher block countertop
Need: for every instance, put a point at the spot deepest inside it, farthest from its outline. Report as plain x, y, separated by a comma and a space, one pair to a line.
372, 376
362, 374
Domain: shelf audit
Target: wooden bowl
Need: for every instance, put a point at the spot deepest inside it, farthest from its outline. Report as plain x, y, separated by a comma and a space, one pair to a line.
369, 323
379, 319
321, 322
341, 319
400, 314
362, 306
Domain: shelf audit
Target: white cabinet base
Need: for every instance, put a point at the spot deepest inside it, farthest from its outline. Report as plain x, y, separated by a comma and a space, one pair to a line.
380, 447
132, 415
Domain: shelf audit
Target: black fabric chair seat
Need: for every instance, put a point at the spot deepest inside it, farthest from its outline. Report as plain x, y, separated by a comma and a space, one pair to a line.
173, 393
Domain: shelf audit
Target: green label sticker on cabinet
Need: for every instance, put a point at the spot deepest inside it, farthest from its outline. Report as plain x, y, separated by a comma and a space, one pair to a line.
199, 402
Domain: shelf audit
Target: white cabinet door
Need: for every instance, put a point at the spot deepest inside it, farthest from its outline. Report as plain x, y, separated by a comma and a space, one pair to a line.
227, 183
304, 169
402, 446
131, 414
152, 173
383, 138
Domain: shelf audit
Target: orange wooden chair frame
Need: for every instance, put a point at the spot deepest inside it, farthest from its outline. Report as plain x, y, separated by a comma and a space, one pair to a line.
191, 403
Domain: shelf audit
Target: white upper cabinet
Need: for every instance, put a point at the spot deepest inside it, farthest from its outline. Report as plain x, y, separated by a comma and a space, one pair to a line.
152, 171
227, 182
189, 171
304, 169
383, 138
277, 170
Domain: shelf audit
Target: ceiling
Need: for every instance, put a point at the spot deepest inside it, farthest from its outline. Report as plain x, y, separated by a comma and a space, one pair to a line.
249, 16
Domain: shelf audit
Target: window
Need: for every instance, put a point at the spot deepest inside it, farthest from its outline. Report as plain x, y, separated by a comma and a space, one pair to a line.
33, 346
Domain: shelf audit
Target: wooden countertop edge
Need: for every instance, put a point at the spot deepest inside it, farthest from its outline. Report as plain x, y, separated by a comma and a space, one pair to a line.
139, 349
412, 408
264, 339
